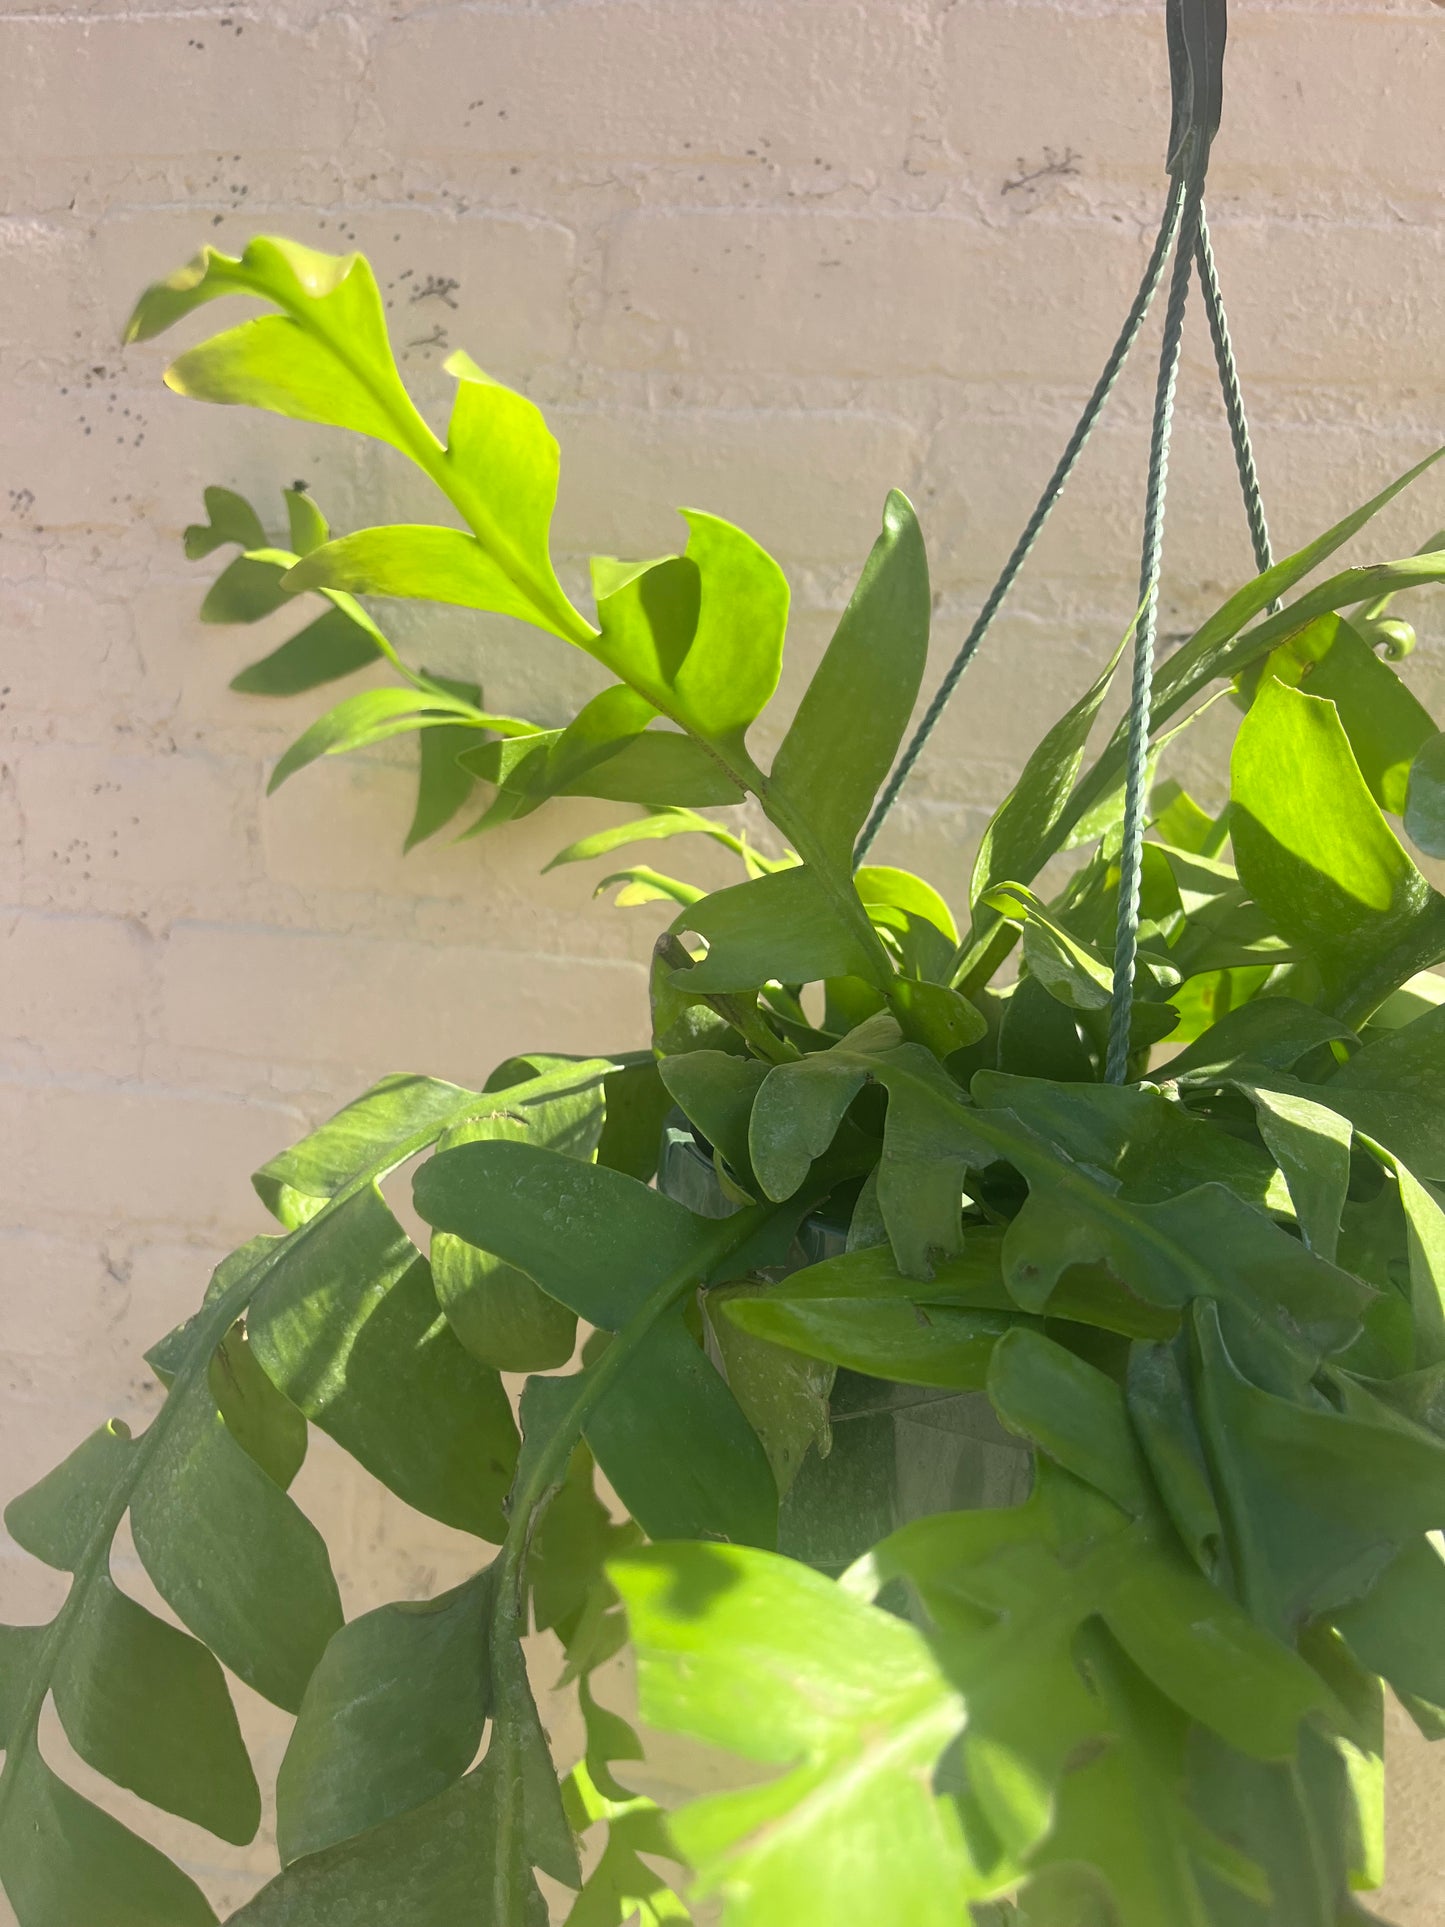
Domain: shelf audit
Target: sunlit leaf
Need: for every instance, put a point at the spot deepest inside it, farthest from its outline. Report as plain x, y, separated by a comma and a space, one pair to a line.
1315, 852
743, 1650
700, 635
373, 715
1385, 723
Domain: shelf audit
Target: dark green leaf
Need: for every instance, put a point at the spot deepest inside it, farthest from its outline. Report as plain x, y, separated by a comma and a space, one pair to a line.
935, 1016
637, 1103
1070, 1410
393, 1715
721, 1486
1272, 1459
1391, 1089
257, 1416
594, 1239
861, 1311
348, 1326
1311, 1145
605, 1245
544, 1837
20, 1649
55, 1520
233, 1557
432, 1866
1271, 1034
842, 741
716, 1092
1151, 1148
64, 1862
1393, 1630
499, 1313
148, 1707
1292, 1820
576, 1536
1425, 1257
783, 1393
1017, 837
1040, 1037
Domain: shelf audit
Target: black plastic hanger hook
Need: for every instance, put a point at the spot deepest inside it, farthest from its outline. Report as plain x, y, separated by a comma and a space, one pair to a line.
1197, 31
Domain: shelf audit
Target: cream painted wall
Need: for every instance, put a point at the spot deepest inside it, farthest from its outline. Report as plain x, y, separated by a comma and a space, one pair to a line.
767, 256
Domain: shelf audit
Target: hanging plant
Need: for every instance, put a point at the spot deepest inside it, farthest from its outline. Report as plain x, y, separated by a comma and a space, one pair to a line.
1184, 1334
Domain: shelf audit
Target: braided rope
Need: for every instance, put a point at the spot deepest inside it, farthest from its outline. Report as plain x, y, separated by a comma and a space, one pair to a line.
1233, 400
1126, 944
1128, 335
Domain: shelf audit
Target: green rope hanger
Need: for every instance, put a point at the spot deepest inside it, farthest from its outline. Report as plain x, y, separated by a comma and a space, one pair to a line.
1131, 859
1196, 36
1233, 401
1083, 429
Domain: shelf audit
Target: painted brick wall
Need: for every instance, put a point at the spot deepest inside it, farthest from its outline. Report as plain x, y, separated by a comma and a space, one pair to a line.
767, 256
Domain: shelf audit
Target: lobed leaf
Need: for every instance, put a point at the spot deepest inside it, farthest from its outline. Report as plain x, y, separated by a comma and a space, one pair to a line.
744, 1650
392, 1716
348, 1326
785, 926
603, 1245
699, 635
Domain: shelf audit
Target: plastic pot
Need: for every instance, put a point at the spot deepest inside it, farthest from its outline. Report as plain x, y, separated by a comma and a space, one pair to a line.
899, 1452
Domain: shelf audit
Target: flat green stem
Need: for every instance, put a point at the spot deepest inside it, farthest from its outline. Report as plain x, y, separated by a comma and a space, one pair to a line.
212, 1324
